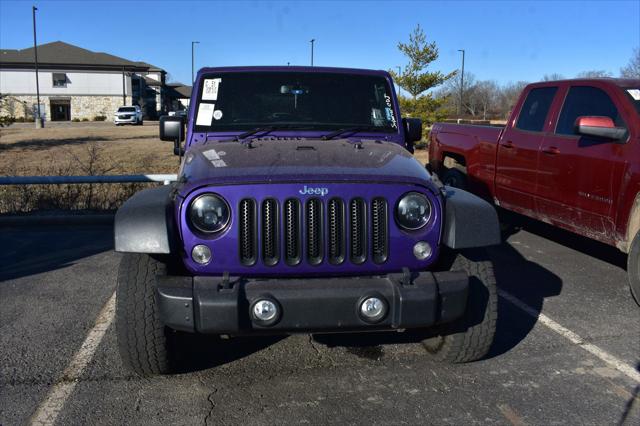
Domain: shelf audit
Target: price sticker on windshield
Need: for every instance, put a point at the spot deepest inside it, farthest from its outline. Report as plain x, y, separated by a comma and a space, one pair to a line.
635, 94
210, 89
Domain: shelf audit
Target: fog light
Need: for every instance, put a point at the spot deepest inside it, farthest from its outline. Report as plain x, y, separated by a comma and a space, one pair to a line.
422, 250
373, 309
201, 254
265, 311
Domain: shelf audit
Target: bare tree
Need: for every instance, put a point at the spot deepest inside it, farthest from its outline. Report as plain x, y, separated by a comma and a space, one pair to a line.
508, 97
451, 90
594, 74
632, 70
485, 97
553, 77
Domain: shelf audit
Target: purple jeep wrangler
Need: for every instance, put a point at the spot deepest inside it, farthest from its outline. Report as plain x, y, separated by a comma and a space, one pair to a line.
300, 209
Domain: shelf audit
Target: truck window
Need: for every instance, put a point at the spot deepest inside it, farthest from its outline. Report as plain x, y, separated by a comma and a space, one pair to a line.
586, 100
535, 109
633, 94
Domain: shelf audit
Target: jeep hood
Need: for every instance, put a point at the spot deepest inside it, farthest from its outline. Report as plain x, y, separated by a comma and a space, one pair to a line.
271, 160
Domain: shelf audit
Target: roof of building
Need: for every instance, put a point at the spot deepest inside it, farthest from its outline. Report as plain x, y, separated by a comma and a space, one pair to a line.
64, 55
150, 66
182, 90
151, 81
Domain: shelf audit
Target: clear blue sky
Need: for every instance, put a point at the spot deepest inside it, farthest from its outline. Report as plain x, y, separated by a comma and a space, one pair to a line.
504, 40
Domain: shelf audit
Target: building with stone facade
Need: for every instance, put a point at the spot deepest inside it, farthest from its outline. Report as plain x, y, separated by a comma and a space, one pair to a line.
78, 84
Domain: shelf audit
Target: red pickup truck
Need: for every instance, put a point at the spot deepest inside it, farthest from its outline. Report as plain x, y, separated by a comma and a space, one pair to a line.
569, 156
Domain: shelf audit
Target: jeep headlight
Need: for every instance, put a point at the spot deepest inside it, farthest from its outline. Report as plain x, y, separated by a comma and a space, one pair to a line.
209, 213
413, 211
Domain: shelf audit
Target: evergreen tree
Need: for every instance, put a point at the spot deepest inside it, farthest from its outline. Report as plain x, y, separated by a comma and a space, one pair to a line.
416, 79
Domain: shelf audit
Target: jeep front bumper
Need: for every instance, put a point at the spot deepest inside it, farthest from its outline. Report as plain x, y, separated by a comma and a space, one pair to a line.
219, 305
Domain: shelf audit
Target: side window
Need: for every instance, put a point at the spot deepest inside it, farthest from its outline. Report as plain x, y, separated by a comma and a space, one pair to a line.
535, 109
583, 101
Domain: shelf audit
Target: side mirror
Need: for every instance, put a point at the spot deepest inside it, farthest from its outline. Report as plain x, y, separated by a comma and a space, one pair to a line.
172, 128
601, 127
412, 131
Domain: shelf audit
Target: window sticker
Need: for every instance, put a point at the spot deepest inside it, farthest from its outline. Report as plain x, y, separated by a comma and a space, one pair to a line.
205, 114
217, 114
210, 89
635, 94
389, 111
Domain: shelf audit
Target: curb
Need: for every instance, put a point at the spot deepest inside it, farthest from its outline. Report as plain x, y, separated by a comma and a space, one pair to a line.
91, 219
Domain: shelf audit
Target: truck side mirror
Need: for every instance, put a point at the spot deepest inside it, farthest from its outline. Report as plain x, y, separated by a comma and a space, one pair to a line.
412, 131
601, 127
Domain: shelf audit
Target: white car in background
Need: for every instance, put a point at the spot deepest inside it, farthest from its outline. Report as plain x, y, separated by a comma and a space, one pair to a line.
128, 115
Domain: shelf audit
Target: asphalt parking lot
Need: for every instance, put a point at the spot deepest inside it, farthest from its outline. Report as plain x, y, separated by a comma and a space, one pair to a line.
567, 349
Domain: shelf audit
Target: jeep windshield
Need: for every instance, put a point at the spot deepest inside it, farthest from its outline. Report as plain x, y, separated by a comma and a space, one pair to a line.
126, 109
244, 101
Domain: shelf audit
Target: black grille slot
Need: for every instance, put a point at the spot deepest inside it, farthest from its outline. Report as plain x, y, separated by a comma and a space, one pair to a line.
247, 225
292, 231
357, 230
379, 230
270, 245
336, 244
313, 216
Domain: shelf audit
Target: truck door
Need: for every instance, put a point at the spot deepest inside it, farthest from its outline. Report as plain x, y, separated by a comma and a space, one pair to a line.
579, 176
517, 157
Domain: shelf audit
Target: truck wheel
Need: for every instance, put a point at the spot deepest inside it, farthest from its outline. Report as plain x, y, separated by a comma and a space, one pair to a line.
455, 178
633, 268
141, 336
470, 337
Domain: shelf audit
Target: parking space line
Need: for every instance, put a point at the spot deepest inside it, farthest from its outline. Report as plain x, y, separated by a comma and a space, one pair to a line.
511, 415
574, 338
50, 408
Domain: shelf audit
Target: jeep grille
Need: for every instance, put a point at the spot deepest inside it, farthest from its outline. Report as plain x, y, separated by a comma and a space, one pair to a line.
335, 229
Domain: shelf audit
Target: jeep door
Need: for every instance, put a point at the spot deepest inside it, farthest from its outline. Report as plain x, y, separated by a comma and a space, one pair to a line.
517, 156
579, 176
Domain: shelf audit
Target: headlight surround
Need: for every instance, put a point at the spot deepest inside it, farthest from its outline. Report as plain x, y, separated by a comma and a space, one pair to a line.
413, 211
209, 213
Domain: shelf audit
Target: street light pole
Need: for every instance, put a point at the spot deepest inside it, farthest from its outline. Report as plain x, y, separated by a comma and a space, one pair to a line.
39, 120
312, 41
193, 43
461, 83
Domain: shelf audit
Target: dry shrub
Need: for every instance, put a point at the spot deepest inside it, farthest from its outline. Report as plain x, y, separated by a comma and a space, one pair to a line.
101, 196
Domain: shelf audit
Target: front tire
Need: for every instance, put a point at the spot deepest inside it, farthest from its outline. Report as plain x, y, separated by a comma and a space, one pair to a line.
455, 178
633, 268
142, 342
469, 338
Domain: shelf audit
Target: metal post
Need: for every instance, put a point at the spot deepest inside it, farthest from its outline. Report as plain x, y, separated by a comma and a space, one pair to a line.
193, 43
461, 83
124, 92
399, 74
312, 41
39, 120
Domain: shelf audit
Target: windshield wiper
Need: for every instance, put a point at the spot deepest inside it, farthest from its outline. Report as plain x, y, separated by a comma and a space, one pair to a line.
257, 130
351, 130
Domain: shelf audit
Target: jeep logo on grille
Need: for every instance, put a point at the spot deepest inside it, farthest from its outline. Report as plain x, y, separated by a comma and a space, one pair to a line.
314, 191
